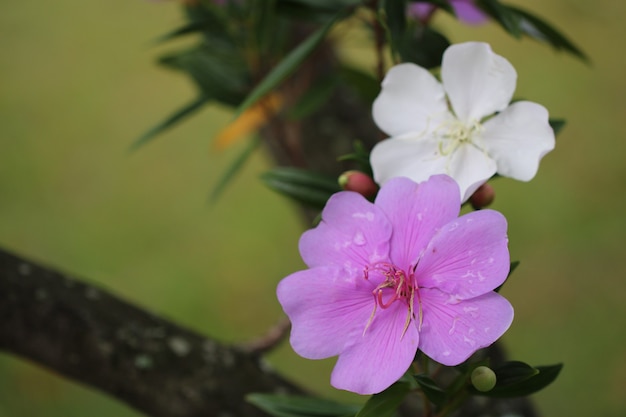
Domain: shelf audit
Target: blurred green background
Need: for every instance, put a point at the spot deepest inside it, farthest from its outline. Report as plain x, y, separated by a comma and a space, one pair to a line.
78, 83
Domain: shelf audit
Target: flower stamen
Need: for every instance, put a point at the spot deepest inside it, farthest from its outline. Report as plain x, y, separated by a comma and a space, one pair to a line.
404, 289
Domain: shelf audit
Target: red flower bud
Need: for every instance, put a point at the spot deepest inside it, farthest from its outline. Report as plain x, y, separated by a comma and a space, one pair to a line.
359, 182
482, 197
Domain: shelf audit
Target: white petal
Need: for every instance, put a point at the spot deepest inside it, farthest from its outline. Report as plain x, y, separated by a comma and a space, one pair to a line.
420, 158
411, 100
470, 167
518, 138
408, 156
478, 82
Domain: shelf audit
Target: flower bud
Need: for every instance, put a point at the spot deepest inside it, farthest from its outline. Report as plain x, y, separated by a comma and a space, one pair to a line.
359, 182
483, 378
482, 197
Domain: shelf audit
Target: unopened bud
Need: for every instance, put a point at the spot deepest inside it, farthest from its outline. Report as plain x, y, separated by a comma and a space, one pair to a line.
483, 378
359, 182
482, 197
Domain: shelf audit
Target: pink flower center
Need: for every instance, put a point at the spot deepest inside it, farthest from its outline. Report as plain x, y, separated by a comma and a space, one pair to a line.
396, 286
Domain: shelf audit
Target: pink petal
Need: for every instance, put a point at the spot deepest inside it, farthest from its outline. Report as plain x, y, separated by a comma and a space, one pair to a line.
353, 233
328, 307
467, 12
478, 81
420, 11
417, 211
453, 330
468, 257
380, 356
411, 100
518, 138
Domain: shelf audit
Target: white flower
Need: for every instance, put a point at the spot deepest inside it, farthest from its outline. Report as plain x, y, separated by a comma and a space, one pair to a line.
447, 128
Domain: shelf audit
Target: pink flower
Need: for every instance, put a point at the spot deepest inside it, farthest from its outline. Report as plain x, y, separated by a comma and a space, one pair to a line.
465, 10
391, 277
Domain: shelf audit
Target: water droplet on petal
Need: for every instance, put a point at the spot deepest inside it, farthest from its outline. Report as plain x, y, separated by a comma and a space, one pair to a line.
359, 239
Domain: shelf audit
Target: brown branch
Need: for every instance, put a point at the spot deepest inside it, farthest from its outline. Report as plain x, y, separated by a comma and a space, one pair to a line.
93, 337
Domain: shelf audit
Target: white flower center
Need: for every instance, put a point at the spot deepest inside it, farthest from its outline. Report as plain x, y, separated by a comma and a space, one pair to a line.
454, 133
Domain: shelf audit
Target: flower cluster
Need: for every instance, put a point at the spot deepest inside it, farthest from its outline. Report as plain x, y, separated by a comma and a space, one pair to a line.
463, 127
391, 277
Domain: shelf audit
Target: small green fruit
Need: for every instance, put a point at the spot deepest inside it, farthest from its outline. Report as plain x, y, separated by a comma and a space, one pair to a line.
483, 378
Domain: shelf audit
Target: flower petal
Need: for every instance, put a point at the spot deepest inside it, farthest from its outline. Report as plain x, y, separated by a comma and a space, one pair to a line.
478, 82
452, 331
467, 12
353, 233
517, 139
470, 167
328, 307
411, 100
468, 257
410, 156
417, 211
381, 356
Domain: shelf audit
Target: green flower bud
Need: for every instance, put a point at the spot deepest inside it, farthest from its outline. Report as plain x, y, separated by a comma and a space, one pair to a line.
483, 378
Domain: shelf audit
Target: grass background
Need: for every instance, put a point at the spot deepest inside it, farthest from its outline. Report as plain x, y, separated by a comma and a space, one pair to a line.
78, 83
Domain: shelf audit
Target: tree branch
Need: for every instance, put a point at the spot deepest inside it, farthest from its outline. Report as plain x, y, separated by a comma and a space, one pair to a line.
152, 364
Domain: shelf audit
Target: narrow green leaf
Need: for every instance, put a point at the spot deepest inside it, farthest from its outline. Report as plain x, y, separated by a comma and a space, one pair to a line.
395, 12
191, 27
509, 21
539, 29
424, 46
233, 170
361, 156
332, 5
513, 372
528, 380
287, 66
433, 392
386, 403
557, 125
303, 186
299, 406
176, 117
218, 70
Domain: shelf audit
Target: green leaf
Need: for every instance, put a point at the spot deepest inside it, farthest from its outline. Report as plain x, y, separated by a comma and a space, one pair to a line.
334, 5
502, 14
386, 403
517, 379
361, 156
233, 170
424, 46
286, 66
176, 117
219, 71
557, 125
433, 392
395, 12
539, 29
513, 372
306, 187
191, 27
299, 406
512, 268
